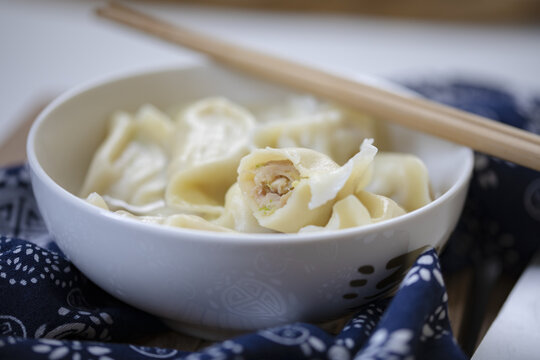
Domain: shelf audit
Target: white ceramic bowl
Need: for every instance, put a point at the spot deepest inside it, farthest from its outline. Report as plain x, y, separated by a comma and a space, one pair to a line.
216, 284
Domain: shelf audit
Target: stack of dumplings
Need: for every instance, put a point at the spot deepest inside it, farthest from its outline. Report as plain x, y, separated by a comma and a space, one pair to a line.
303, 166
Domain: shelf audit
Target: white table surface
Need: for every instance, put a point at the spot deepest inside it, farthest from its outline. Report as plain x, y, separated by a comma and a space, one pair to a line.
515, 333
47, 47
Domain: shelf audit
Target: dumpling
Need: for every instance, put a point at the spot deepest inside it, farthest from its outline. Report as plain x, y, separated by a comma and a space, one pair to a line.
213, 137
195, 222
97, 200
362, 208
380, 207
305, 122
186, 221
294, 167
237, 215
290, 188
401, 177
310, 132
346, 213
131, 164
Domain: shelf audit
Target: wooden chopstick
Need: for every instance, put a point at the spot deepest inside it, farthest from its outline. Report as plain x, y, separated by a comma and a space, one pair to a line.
484, 135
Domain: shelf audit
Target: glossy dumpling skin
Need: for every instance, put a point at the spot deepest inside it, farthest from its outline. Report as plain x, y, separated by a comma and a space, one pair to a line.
212, 138
379, 207
361, 208
305, 122
237, 215
131, 164
402, 177
287, 189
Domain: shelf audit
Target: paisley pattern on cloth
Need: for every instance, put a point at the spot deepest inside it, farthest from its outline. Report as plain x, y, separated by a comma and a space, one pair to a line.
49, 310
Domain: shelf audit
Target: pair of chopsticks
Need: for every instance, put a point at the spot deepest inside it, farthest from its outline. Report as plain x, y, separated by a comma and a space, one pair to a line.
479, 133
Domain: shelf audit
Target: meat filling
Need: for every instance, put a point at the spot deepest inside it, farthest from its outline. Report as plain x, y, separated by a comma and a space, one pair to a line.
273, 182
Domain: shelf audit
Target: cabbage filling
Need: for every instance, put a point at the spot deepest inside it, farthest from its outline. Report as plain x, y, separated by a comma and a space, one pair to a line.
273, 184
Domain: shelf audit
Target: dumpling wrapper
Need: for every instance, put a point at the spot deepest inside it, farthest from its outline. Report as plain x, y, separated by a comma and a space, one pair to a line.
305, 122
360, 209
213, 138
131, 163
237, 215
288, 189
401, 177
380, 207
97, 200
195, 222
186, 221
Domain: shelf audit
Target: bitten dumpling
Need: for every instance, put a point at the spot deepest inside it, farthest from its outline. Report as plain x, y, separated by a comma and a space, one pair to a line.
290, 188
213, 138
401, 177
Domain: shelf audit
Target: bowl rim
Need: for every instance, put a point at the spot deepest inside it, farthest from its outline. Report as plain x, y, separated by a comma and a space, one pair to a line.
204, 235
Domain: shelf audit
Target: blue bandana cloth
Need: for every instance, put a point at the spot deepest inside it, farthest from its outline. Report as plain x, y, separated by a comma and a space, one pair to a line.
501, 219
49, 310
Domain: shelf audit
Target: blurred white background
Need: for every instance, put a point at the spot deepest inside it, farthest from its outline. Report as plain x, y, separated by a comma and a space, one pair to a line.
47, 47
